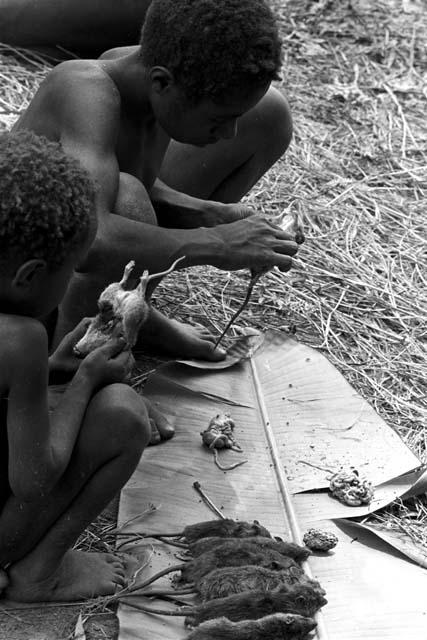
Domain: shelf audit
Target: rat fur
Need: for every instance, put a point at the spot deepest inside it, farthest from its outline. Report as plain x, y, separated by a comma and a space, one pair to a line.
225, 581
251, 605
289, 549
279, 626
230, 556
226, 528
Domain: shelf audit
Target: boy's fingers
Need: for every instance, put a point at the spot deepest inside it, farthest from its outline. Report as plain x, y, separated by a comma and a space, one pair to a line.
113, 347
81, 328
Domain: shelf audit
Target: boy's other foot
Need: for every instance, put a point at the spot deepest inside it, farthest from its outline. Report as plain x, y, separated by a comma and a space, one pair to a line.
81, 575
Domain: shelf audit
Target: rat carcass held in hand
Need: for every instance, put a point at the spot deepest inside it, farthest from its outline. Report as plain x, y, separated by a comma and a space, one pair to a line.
122, 312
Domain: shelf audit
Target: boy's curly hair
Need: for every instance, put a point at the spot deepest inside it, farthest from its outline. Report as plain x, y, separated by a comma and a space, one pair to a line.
46, 200
213, 48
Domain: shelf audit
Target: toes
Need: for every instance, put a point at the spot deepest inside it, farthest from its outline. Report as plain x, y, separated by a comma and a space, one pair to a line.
111, 558
215, 354
160, 427
155, 435
119, 569
120, 582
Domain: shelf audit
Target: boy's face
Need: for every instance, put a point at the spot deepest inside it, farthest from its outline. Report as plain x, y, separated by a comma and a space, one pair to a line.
206, 122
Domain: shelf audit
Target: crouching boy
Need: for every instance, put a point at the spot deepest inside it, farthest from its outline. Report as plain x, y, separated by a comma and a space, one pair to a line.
58, 471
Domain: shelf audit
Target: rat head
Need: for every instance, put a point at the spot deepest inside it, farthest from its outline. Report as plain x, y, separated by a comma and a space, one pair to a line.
306, 598
207, 64
47, 222
289, 625
246, 530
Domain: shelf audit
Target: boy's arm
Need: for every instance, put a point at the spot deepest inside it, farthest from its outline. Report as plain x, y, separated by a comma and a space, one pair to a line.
171, 205
39, 446
253, 242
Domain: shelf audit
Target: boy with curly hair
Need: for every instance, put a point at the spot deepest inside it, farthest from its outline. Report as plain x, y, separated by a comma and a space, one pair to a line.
58, 469
174, 132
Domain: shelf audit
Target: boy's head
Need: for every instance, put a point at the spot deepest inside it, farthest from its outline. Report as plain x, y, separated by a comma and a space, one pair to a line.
216, 52
47, 221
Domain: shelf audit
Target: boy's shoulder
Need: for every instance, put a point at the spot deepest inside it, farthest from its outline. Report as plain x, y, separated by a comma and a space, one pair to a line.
21, 337
81, 79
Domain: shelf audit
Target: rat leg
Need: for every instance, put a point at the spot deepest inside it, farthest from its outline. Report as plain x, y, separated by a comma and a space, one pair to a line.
126, 273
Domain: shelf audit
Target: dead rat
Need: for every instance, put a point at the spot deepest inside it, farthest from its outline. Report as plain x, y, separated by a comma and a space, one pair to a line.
224, 556
250, 605
290, 549
226, 528
227, 555
122, 312
220, 435
225, 581
279, 626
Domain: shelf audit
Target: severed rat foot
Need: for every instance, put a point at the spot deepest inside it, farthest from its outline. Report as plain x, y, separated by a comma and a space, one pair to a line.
80, 576
178, 339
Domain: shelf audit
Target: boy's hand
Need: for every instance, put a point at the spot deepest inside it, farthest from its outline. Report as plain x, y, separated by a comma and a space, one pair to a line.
63, 363
254, 242
108, 364
216, 214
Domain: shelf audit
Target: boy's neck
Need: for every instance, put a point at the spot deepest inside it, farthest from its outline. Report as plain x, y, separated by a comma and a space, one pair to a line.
129, 75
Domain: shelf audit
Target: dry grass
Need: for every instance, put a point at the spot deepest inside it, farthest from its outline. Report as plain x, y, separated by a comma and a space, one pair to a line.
355, 74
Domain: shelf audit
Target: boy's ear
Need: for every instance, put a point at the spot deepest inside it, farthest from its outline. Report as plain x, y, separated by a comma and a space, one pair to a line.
28, 273
161, 79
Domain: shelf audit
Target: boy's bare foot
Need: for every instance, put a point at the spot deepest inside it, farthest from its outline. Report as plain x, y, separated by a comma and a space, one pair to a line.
160, 427
179, 339
81, 575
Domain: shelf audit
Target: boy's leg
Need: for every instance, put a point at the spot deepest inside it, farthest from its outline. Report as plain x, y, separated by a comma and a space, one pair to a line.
159, 332
224, 172
227, 170
36, 538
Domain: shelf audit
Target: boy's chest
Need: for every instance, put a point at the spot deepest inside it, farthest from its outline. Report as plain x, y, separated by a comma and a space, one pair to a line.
140, 149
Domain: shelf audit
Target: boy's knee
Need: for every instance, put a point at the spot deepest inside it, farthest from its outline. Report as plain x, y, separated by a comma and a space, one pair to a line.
122, 413
276, 121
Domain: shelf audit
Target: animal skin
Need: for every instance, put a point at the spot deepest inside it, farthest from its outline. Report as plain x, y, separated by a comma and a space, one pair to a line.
226, 556
225, 581
279, 626
301, 599
226, 528
122, 312
286, 548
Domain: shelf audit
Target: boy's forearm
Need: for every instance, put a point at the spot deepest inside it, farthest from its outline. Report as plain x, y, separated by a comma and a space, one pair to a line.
152, 247
67, 419
179, 210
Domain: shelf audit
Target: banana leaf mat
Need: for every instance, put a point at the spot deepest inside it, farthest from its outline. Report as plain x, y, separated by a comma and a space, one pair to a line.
296, 419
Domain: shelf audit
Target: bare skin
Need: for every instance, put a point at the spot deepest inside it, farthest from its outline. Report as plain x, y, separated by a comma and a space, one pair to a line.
118, 119
59, 470
37, 531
